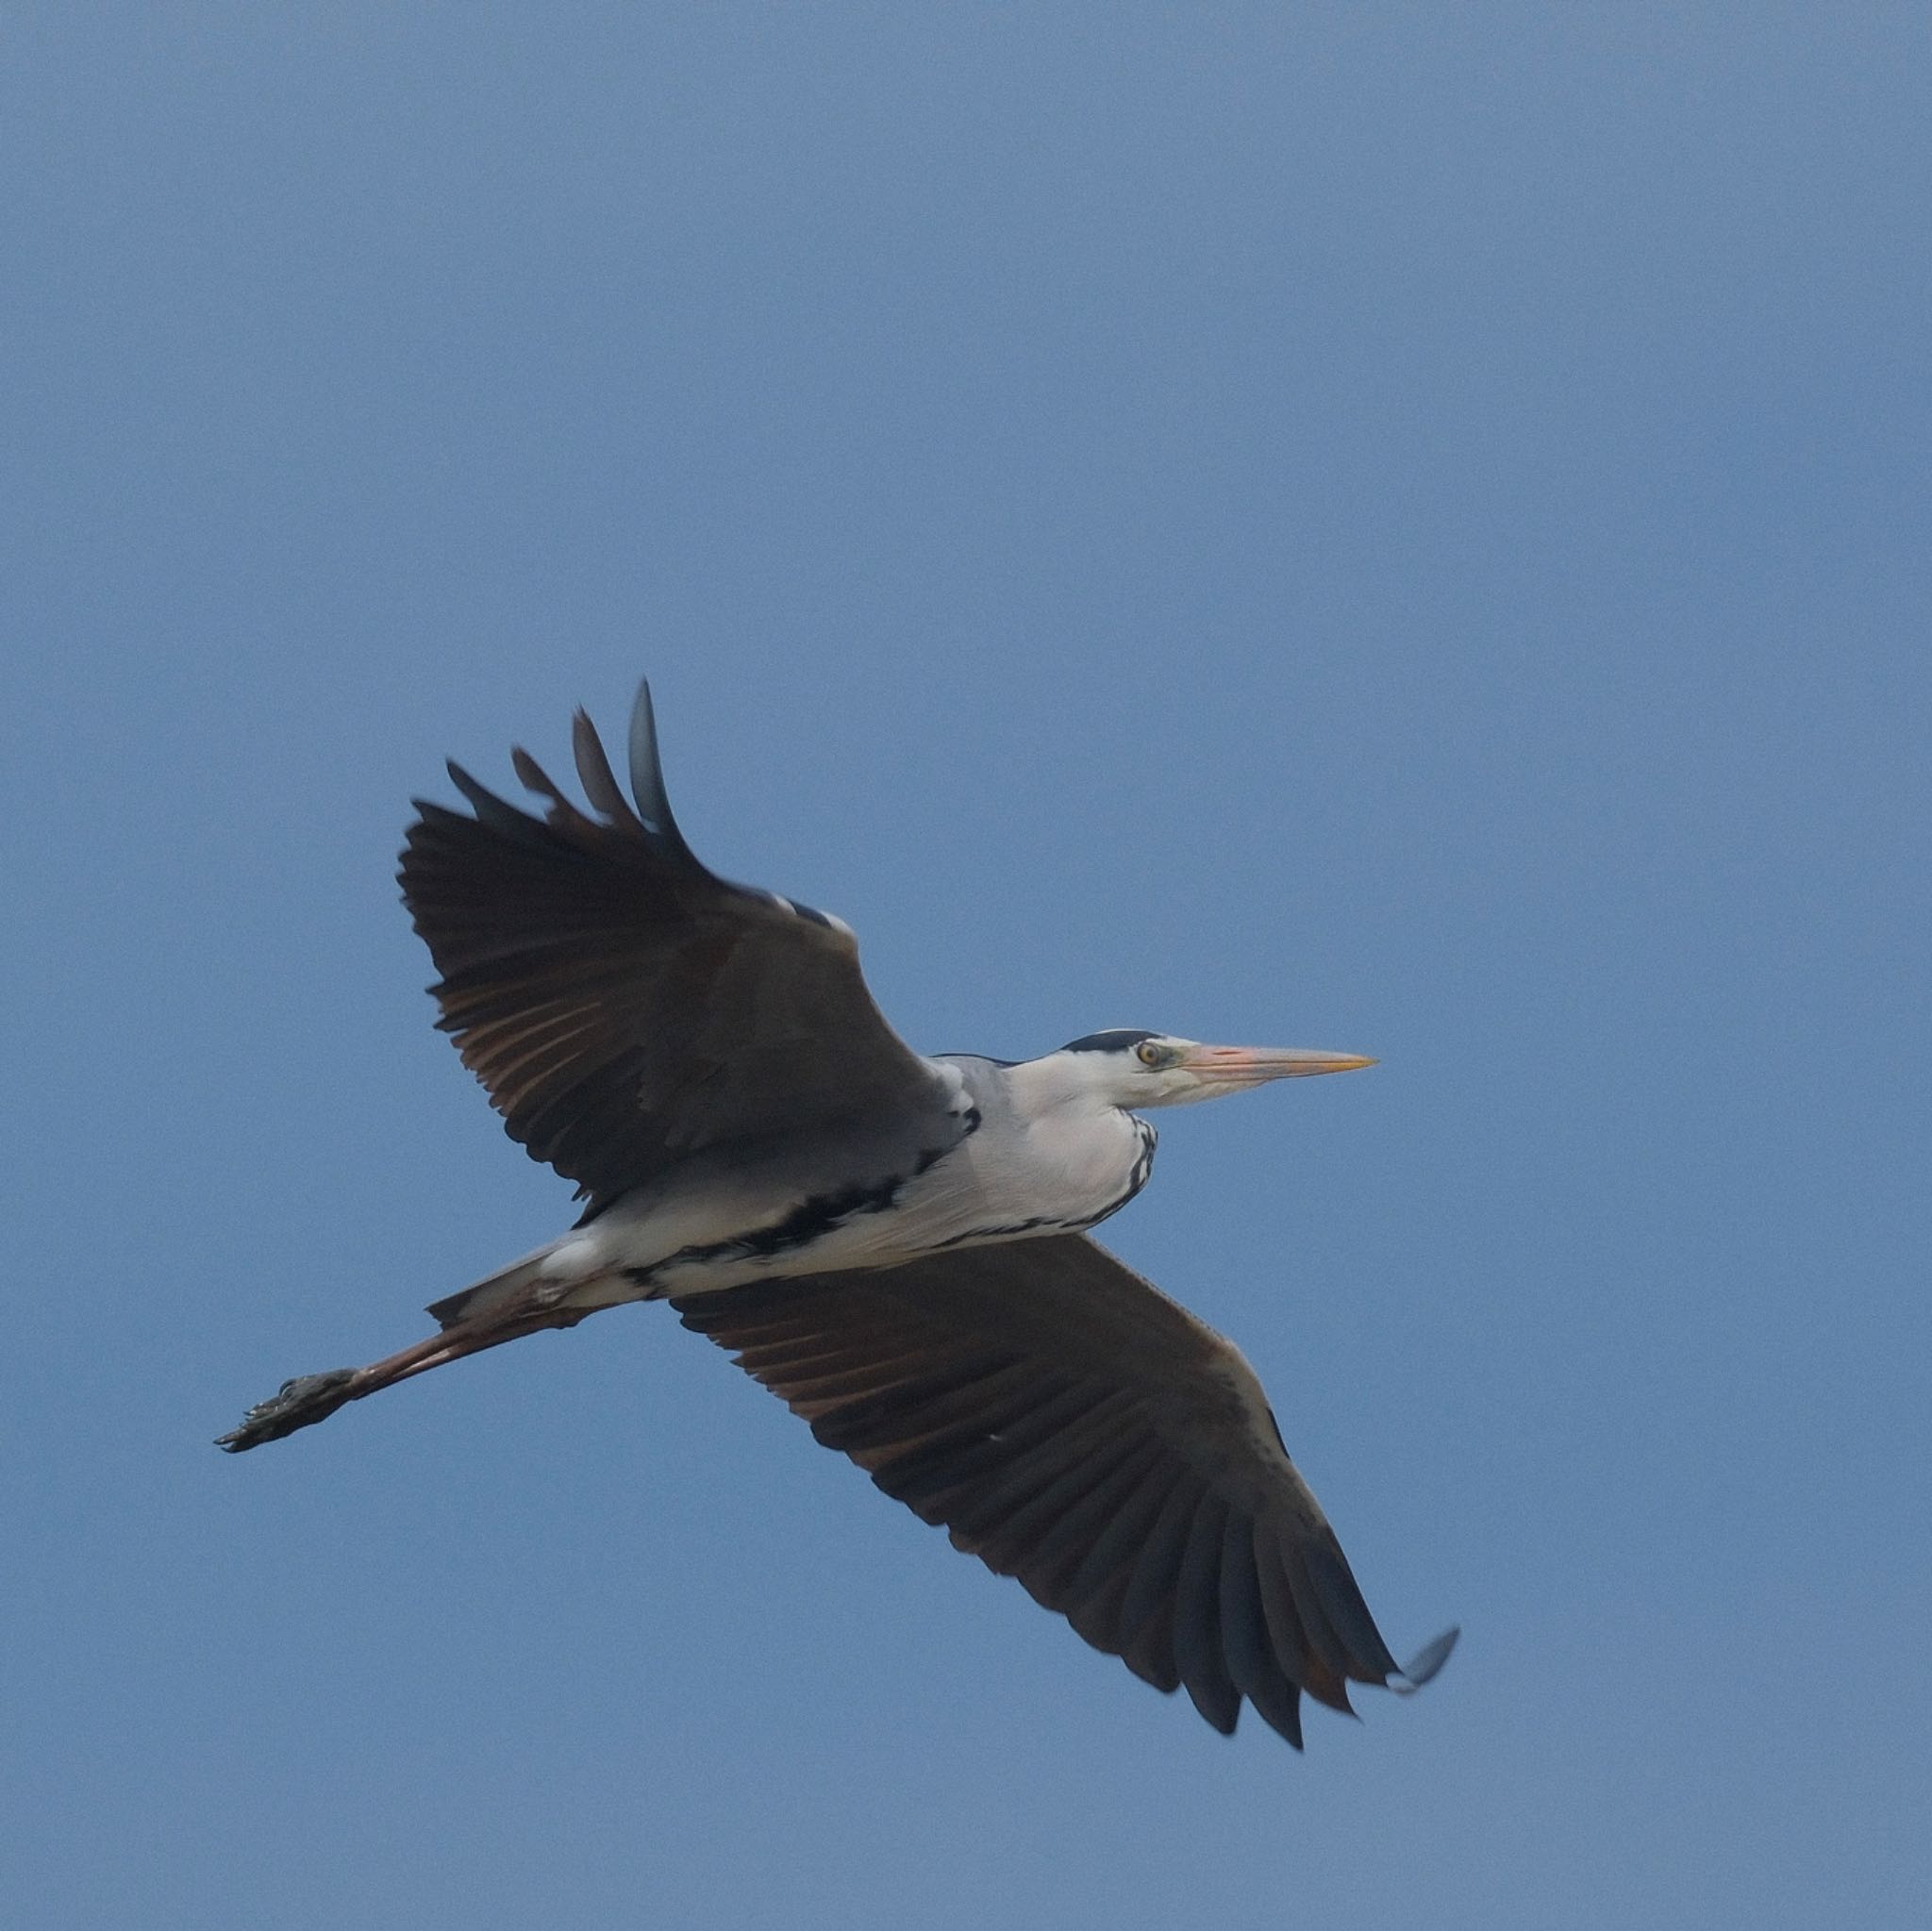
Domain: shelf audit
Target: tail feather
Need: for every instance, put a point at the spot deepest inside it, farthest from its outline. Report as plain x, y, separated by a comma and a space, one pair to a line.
482, 1297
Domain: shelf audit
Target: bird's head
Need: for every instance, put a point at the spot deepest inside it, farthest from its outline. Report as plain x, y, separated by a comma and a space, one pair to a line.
1132, 1069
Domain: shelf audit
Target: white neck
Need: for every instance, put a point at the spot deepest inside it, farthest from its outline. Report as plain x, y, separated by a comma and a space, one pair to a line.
1088, 1083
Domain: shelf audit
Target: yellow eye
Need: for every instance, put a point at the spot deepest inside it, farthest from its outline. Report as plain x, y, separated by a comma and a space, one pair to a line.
1150, 1053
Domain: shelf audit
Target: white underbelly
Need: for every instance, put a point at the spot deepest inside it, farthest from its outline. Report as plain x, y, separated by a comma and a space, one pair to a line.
709, 1230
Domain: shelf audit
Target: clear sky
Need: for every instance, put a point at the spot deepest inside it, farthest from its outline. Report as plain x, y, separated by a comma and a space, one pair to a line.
1399, 528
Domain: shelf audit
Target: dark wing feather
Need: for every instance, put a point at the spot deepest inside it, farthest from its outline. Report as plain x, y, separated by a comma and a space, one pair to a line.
1073, 1427
624, 1006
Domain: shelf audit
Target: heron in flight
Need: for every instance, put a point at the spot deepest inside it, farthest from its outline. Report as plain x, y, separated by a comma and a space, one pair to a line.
898, 1246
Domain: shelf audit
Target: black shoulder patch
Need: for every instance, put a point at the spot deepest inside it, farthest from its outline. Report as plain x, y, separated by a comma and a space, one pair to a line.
1118, 1040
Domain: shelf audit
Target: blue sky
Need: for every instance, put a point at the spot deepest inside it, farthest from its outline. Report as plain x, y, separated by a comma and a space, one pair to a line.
1393, 529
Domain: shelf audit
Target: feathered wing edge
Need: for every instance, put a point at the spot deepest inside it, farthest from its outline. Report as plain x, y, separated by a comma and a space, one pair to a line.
621, 1004
1121, 1485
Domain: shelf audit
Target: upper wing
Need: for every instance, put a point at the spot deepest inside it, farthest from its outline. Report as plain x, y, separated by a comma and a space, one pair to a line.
622, 1005
1073, 1427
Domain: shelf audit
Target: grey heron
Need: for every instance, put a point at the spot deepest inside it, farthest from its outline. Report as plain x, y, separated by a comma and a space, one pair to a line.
898, 1246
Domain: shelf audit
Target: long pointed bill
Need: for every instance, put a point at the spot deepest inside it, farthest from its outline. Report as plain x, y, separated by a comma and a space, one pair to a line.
1225, 1068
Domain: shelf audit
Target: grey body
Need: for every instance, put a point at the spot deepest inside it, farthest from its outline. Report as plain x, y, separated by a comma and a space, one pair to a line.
990, 1161
895, 1244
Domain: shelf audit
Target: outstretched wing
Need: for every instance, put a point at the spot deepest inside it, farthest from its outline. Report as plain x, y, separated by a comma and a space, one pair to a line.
1073, 1427
623, 1006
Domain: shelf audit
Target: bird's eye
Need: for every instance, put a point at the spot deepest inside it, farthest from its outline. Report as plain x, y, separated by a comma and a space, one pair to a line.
1150, 1053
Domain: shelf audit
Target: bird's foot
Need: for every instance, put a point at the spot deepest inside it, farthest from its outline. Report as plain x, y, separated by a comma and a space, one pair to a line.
309, 1398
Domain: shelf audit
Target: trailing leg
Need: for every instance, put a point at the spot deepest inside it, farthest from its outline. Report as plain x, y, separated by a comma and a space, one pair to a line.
312, 1398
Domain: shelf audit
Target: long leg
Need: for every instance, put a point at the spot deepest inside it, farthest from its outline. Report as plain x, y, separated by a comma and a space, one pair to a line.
312, 1398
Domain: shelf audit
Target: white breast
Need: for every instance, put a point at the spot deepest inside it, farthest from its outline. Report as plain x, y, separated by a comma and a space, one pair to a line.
710, 1225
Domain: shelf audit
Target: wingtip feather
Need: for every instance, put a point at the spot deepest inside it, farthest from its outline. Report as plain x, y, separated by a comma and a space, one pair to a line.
490, 810
594, 773
1428, 1661
647, 766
